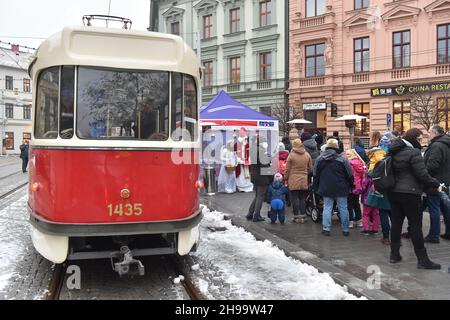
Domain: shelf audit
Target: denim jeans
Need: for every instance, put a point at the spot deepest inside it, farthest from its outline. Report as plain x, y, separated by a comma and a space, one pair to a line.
435, 206
385, 225
327, 212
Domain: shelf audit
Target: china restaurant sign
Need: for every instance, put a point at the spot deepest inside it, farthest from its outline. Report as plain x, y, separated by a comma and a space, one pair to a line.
410, 89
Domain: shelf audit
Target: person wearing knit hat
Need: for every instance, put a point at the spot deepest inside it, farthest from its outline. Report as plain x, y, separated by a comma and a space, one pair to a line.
298, 167
305, 136
332, 144
333, 180
310, 145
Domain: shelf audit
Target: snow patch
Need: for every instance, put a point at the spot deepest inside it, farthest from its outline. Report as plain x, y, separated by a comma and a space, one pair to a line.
241, 267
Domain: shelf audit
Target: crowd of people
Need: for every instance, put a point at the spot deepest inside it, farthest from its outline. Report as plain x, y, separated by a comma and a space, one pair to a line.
343, 180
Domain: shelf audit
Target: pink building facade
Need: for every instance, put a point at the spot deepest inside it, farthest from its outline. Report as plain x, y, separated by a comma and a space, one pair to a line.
368, 57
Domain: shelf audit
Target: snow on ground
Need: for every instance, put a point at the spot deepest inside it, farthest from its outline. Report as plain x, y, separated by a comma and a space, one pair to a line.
234, 265
13, 227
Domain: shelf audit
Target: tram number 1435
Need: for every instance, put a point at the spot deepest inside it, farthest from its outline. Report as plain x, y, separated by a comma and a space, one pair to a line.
127, 209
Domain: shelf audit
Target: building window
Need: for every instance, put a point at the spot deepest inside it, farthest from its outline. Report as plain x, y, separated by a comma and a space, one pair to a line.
362, 126
207, 27
235, 70
315, 64
175, 28
265, 12
361, 54
444, 108
401, 48
402, 115
26, 85
27, 112
266, 110
360, 4
315, 8
443, 43
234, 20
208, 74
9, 110
9, 83
265, 65
9, 140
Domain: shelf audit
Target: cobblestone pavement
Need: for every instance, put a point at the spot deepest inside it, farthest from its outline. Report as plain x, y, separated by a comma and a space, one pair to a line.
23, 271
100, 282
352, 255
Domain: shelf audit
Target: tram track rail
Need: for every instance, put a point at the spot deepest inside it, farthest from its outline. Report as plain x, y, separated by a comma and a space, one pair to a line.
11, 191
56, 282
57, 291
191, 288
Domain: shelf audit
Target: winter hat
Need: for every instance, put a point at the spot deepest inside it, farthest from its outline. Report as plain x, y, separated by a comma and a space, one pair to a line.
278, 177
305, 136
281, 147
385, 141
297, 144
332, 143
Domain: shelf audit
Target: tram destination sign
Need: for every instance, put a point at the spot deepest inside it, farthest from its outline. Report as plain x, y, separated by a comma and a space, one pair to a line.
410, 89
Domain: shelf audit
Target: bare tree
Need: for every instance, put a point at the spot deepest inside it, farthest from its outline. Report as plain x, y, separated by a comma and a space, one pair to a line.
284, 114
425, 110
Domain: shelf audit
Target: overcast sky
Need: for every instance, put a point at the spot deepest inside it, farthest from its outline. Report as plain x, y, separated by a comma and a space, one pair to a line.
23, 20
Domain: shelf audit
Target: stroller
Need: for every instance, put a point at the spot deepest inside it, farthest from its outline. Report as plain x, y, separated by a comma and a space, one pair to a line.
314, 206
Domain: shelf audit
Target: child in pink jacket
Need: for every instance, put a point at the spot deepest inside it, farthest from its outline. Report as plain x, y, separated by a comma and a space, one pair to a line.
359, 171
370, 214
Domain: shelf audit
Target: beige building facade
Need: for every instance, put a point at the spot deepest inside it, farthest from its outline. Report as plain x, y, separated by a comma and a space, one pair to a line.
375, 58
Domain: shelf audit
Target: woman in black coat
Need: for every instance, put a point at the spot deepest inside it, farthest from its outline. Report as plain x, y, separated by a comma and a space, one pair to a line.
411, 177
261, 176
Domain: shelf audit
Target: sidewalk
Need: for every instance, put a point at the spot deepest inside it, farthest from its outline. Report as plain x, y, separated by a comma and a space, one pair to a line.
346, 258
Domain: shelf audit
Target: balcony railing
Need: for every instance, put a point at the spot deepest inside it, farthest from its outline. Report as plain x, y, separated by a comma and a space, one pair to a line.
443, 69
312, 22
400, 74
207, 90
264, 84
312, 82
360, 77
233, 87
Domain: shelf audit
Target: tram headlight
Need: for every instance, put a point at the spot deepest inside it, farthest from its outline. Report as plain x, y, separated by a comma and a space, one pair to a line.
35, 186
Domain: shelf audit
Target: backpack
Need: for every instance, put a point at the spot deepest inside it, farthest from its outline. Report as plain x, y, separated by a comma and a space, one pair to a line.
383, 175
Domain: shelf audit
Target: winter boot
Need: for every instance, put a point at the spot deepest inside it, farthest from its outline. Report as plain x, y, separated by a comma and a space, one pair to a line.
423, 262
395, 253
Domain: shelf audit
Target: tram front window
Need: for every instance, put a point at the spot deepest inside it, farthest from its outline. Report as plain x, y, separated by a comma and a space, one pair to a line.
122, 104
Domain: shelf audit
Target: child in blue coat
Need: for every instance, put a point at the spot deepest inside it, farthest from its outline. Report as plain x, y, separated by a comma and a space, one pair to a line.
276, 197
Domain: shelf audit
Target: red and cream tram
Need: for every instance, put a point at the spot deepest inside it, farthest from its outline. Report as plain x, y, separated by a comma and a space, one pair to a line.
113, 156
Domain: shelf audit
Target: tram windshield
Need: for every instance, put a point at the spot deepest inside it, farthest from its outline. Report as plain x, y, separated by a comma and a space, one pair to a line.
127, 105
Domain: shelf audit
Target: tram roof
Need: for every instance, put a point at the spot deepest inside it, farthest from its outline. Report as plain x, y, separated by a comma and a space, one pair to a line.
116, 48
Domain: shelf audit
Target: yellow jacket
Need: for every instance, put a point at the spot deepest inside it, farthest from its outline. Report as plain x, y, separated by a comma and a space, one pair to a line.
375, 155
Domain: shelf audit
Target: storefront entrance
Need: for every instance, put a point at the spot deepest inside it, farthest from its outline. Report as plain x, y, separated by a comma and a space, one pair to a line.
317, 114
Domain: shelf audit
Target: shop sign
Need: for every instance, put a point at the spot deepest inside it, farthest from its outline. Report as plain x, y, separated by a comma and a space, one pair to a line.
315, 106
410, 89
267, 124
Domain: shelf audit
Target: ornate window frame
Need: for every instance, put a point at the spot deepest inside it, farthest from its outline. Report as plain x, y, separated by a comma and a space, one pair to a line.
173, 15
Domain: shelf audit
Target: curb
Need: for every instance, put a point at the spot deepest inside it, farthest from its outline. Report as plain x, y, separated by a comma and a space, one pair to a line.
355, 285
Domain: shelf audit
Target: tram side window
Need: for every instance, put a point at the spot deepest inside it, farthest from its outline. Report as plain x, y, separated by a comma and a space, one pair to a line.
190, 107
66, 109
125, 105
46, 119
177, 106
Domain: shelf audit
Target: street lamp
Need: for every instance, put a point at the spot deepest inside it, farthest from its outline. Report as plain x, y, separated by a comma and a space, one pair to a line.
350, 123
